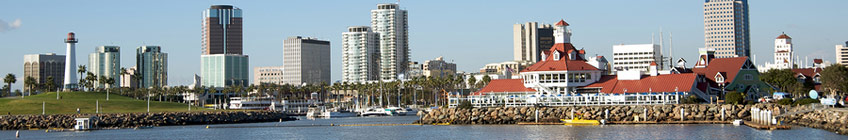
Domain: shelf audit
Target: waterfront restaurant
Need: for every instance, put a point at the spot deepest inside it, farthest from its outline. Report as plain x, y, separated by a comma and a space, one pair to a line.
564, 78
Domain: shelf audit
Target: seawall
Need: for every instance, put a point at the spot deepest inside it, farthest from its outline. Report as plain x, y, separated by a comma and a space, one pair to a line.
130, 120
691, 113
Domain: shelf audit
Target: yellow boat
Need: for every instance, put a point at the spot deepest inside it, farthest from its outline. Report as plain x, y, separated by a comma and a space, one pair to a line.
578, 121
441, 123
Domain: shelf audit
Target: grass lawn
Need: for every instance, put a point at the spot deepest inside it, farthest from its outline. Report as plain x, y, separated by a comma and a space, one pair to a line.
86, 102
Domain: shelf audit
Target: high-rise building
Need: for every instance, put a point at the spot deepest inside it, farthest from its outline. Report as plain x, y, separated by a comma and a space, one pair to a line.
360, 55
70, 80
390, 22
152, 66
127, 80
530, 39
222, 62
306, 60
268, 75
106, 62
438, 68
635, 57
224, 70
42, 66
222, 30
726, 28
842, 54
783, 55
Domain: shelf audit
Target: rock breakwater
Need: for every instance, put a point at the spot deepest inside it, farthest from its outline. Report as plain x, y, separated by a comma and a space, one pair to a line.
130, 120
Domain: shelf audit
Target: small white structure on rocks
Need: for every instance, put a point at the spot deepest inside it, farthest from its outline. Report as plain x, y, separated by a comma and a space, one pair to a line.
85, 123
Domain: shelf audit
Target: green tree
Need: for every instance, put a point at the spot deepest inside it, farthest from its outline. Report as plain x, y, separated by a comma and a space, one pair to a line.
30, 83
9, 80
834, 79
50, 84
783, 79
81, 70
472, 81
90, 80
734, 97
486, 79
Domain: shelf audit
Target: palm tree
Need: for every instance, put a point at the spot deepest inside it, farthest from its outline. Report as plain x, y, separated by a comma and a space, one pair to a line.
9, 80
50, 84
30, 83
81, 70
90, 80
109, 81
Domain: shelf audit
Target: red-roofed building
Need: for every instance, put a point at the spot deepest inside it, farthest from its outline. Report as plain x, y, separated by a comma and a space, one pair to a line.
809, 77
730, 74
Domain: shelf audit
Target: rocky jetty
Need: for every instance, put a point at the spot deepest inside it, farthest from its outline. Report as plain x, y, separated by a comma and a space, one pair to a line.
130, 120
828, 119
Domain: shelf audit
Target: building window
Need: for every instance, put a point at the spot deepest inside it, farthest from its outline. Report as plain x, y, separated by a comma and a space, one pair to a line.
749, 77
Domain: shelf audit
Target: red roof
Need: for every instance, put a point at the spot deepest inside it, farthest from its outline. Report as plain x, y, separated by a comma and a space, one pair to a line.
817, 61
504, 85
562, 22
564, 63
783, 36
729, 66
653, 63
661, 83
808, 72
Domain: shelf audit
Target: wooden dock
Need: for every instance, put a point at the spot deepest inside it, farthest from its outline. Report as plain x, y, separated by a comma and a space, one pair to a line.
767, 127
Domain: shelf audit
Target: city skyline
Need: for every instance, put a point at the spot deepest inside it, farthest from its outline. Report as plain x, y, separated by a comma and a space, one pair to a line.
813, 35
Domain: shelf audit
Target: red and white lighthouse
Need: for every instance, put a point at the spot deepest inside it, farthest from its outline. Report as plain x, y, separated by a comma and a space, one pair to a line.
70, 64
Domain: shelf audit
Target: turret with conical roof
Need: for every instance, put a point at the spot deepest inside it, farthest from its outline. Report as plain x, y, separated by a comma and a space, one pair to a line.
561, 32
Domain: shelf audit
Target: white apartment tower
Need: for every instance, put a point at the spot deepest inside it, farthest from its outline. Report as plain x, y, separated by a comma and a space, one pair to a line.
726, 27
783, 53
635, 57
360, 55
530, 39
306, 61
390, 22
842, 54
106, 62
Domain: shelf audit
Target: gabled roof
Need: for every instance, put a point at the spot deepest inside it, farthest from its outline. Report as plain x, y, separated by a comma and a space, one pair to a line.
562, 23
504, 85
661, 83
729, 66
564, 63
783, 36
807, 72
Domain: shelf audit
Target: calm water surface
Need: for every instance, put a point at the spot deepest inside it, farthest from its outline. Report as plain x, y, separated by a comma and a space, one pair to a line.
319, 129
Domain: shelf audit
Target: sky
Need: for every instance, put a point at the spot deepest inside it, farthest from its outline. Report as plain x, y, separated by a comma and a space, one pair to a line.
470, 33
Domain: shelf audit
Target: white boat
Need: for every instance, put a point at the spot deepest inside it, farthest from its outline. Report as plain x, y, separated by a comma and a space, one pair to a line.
298, 106
322, 112
253, 103
376, 111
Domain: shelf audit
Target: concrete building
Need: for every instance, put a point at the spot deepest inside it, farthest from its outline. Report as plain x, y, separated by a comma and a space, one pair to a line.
842, 54
636, 57
268, 75
530, 39
42, 66
152, 66
505, 70
306, 60
727, 28
360, 54
783, 53
70, 80
106, 62
222, 30
223, 70
438, 68
390, 22
127, 80
414, 70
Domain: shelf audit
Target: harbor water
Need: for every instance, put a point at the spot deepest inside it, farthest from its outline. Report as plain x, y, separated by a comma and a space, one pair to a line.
367, 128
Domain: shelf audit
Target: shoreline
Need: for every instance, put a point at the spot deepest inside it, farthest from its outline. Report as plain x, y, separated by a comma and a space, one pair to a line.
137, 120
832, 120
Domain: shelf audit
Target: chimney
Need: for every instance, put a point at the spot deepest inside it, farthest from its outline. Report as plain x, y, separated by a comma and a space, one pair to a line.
653, 69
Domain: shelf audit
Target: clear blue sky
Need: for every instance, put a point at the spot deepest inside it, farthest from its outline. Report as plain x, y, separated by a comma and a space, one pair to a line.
470, 33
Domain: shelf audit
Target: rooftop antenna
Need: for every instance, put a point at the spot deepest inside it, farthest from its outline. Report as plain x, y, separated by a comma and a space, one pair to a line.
670, 51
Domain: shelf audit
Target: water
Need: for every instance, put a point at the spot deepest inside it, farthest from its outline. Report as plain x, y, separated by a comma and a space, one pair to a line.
304, 129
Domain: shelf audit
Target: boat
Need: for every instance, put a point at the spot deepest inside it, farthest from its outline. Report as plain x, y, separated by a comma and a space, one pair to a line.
376, 111
737, 122
579, 121
323, 112
253, 103
400, 111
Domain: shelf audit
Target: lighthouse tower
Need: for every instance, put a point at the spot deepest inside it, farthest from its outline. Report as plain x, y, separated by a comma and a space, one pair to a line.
561, 32
70, 64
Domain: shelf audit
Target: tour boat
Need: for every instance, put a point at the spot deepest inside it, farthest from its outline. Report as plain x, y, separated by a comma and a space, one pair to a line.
253, 103
376, 111
322, 112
